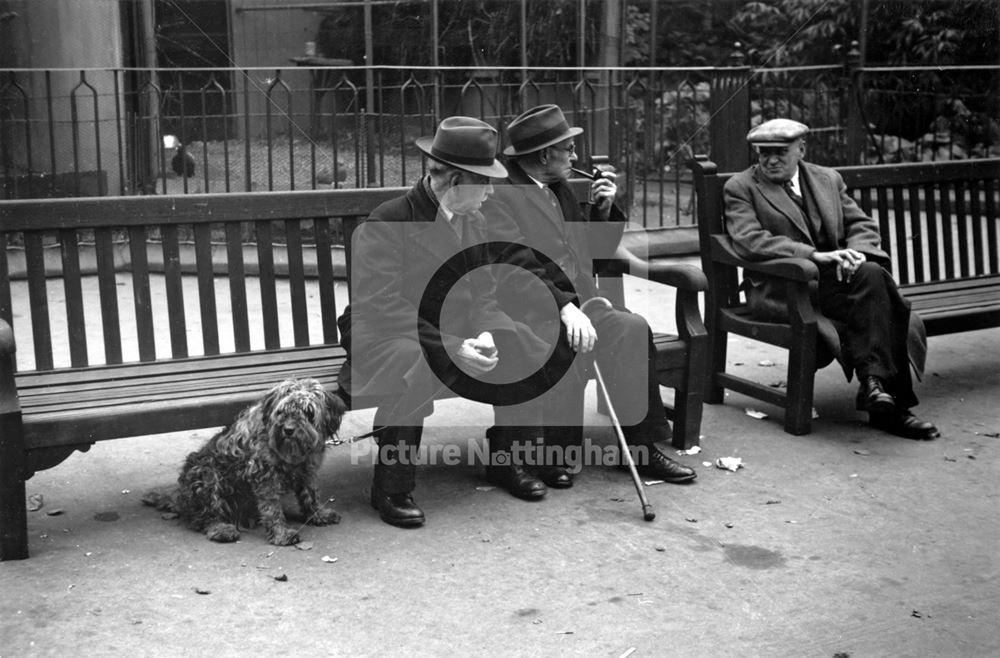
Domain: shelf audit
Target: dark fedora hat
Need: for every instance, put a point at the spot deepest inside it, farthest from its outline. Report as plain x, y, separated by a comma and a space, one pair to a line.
467, 144
537, 128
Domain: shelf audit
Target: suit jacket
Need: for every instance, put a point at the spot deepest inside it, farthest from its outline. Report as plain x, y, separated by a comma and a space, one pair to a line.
765, 223
568, 237
395, 295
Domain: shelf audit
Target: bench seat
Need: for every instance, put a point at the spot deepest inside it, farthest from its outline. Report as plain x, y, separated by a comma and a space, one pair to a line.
958, 305
71, 406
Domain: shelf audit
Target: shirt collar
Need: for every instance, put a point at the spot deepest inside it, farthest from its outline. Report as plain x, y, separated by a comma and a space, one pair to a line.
536, 181
796, 183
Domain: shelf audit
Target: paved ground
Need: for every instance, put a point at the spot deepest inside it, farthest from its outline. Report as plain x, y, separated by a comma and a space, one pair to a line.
847, 542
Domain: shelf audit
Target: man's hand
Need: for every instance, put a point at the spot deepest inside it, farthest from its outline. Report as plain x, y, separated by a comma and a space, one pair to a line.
579, 330
847, 260
603, 191
477, 356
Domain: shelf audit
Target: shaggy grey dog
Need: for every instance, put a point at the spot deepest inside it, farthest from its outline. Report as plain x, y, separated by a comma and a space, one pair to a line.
237, 478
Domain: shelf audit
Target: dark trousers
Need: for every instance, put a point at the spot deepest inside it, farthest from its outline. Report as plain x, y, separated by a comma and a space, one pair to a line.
626, 356
875, 319
402, 417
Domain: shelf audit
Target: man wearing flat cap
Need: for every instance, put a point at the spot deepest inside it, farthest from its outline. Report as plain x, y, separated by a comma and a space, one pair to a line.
414, 258
535, 195
785, 207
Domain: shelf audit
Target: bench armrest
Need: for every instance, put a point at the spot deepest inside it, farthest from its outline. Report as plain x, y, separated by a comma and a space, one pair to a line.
8, 389
683, 277
795, 269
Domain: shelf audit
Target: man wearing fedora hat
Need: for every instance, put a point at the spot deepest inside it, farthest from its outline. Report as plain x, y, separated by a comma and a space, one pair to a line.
786, 207
404, 347
535, 195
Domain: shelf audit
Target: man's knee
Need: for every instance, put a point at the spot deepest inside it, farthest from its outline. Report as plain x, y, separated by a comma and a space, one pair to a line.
870, 273
628, 326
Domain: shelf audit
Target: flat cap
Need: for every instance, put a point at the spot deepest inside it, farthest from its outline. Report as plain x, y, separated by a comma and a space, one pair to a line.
777, 132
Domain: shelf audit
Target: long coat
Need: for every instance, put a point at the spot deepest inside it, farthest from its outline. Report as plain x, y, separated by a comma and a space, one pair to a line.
395, 295
567, 236
765, 223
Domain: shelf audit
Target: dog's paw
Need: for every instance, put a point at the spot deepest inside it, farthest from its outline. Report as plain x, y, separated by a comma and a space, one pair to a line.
161, 500
284, 537
222, 532
324, 516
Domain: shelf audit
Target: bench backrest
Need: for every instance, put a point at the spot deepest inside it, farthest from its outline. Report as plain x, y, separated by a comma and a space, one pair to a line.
227, 268
59, 248
938, 220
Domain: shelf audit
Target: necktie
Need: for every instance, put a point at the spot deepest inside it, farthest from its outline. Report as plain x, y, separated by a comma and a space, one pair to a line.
791, 192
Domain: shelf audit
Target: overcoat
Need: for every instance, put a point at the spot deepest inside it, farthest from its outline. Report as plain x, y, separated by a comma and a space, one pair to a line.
395, 295
765, 223
566, 237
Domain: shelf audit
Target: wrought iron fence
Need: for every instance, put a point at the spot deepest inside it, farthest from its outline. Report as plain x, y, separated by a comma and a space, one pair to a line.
102, 131
885, 114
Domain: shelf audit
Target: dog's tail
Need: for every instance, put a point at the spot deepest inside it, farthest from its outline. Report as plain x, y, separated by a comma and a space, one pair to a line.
164, 501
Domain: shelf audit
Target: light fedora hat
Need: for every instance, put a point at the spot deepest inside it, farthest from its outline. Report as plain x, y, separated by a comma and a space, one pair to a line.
538, 128
466, 143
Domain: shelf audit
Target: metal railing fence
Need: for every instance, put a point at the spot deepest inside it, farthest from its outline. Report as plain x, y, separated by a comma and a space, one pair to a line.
73, 132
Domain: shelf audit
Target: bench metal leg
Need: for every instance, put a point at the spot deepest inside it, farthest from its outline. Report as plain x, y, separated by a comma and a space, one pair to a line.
13, 504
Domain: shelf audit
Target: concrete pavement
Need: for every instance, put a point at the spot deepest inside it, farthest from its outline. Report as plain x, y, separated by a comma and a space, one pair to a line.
846, 542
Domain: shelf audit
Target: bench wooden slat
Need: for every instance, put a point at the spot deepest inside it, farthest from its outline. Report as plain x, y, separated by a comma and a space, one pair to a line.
142, 296
324, 271
206, 368
108, 287
239, 309
919, 173
902, 254
38, 298
882, 205
917, 237
268, 293
297, 284
930, 215
961, 221
73, 290
6, 310
136, 390
206, 288
176, 315
992, 188
981, 264
194, 363
26, 214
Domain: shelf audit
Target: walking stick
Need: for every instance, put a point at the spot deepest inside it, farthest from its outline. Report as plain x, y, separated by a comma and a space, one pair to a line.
647, 510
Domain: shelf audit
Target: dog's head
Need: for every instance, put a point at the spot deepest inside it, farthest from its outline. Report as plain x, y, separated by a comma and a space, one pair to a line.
301, 414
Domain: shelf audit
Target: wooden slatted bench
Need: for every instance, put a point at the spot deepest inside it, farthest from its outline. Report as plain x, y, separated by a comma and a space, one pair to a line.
939, 223
205, 301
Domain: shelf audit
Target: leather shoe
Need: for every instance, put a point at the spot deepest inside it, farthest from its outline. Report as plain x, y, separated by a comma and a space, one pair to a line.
557, 477
517, 480
873, 398
397, 509
905, 424
661, 467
